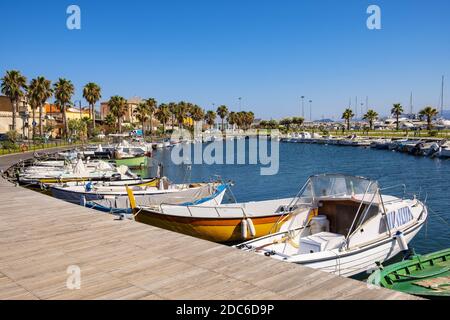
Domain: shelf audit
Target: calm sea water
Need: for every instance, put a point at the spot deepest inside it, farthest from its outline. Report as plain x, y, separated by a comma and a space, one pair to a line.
427, 178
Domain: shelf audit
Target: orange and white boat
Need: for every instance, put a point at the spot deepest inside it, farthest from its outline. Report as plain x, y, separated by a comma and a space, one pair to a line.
224, 223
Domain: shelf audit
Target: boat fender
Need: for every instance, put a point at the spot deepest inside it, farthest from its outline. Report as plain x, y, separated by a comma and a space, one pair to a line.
401, 241
251, 228
83, 201
244, 228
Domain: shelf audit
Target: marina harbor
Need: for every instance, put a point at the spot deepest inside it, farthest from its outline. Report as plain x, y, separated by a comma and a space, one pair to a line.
225, 158
128, 260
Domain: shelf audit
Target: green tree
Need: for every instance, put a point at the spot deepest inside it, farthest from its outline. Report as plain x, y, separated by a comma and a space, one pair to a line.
34, 104
231, 119
118, 107
172, 107
12, 85
181, 113
92, 93
286, 122
196, 113
64, 90
163, 115
397, 111
210, 118
222, 111
110, 120
142, 114
371, 116
298, 122
248, 119
347, 116
152, 105
429, 113
39, 91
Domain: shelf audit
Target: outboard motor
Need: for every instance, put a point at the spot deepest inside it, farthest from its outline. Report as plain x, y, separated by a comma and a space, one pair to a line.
433, 149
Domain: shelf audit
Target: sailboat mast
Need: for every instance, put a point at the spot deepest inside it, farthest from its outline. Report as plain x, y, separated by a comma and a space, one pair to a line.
442, 96
411, 103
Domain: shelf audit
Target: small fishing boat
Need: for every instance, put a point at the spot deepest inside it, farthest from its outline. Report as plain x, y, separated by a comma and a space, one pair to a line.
209, 194
89, 192
132, 161
343, 225
90, 171
380, 144
427, 276
223, 223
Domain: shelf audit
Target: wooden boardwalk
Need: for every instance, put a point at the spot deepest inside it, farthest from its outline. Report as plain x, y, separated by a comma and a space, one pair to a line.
40, 237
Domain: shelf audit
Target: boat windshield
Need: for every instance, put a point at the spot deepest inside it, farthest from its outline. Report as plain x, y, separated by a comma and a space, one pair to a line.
329, 186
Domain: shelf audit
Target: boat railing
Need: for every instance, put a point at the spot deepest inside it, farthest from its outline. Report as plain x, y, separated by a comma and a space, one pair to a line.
217, 210
395, 187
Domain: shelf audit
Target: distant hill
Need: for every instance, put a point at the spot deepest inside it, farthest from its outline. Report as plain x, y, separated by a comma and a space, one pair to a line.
323, 120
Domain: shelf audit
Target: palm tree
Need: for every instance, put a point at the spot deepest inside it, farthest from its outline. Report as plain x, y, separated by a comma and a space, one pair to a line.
231, 119
110, 120
163, 115
196, 113
12, 84
92, 94
64, 90
118, 107
249, 117
142, 113
347, 116
210, 118
371, 116
181, 112
152, 105
222, 111
397, 110
172, 107
32, 101
39, 91
429, 113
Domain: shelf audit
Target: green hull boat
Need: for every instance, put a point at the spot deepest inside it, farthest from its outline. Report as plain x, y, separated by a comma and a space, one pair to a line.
427, 276
134, 162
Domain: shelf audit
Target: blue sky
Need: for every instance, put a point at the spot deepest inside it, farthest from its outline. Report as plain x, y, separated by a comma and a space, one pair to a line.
267, 52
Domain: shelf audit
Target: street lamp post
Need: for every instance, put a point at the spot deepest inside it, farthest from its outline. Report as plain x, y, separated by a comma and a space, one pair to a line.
240, 104
303, 107
310, 110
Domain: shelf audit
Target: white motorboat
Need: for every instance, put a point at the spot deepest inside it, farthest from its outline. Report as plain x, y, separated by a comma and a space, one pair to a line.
208, 195
444, 150
88, 192
96, 170
343, 225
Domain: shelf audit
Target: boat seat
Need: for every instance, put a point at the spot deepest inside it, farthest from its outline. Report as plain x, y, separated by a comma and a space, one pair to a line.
320, 242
